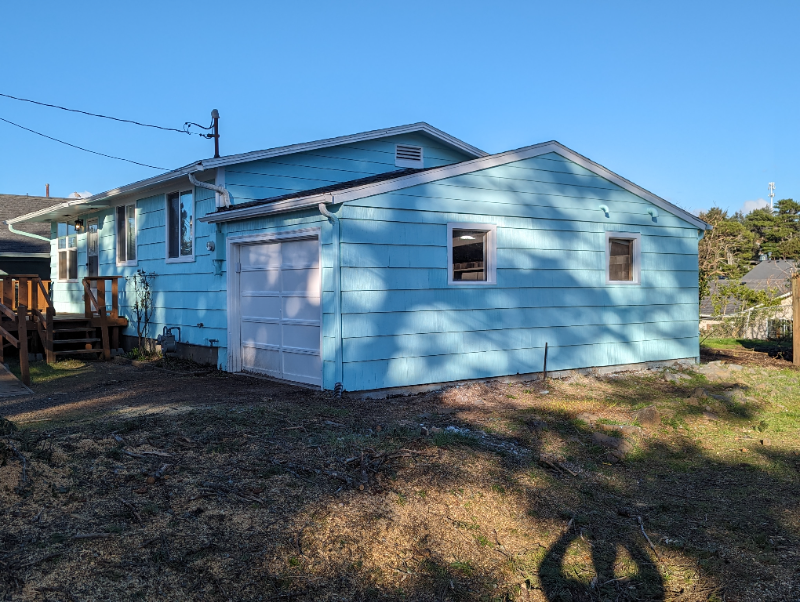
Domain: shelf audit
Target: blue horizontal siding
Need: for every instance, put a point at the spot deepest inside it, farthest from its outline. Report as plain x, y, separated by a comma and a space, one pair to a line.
443, 368
364, 302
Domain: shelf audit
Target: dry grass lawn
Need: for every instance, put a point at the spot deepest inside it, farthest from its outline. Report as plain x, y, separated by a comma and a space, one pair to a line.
143, 484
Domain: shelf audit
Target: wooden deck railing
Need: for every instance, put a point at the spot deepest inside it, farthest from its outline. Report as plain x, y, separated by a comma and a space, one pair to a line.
92, 304
21, 294
94, 309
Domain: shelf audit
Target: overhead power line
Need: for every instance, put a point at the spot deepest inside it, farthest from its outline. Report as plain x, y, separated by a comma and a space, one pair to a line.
22, 127
147, 125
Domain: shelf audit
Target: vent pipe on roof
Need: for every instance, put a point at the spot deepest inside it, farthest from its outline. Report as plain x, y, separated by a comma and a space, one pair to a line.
47, 190
224, 194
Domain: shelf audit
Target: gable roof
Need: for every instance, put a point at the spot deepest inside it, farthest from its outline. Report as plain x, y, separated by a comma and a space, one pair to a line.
770, 275
15, 205
206, 164
358, 189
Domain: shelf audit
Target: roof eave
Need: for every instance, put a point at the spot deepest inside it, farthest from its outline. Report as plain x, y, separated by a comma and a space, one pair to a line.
453, 170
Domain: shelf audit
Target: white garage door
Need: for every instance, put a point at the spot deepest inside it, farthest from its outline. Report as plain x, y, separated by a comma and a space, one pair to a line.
279, 287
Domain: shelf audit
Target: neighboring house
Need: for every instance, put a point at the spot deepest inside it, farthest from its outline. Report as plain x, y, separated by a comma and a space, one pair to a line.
21, 254
762, 323
397, 257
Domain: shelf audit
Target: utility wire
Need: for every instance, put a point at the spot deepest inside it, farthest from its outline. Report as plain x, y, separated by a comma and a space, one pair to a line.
147, 125
80, 147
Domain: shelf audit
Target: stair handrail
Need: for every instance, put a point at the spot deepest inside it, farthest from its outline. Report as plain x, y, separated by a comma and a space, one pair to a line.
20, 342
101, 310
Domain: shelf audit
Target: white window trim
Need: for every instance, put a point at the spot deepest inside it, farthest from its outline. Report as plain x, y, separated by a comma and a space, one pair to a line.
187, 258
491, 254
135, 262
636, 237
67, 249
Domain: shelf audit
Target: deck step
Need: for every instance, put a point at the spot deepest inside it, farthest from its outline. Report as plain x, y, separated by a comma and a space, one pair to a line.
77, 351
83, 329
92, 340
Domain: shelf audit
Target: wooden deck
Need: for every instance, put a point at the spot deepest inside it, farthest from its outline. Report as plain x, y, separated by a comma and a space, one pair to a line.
29, 322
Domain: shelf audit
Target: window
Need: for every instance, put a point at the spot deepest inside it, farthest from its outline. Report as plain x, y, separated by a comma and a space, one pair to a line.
67, 252
180, 226
471, 252
622, 258
126, 234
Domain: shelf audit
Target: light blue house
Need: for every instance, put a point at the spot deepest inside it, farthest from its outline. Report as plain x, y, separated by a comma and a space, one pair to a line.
395, 257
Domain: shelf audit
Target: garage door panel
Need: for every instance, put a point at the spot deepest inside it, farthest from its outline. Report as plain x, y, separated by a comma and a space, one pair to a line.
301, 336
300, 254
279, 301
302, 367
253, 306
260, 280
300, 308
261, 255
262, 360
304, 280
261, 333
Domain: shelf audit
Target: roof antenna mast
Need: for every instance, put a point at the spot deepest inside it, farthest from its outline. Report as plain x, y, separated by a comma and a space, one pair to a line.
771, 188
214, 130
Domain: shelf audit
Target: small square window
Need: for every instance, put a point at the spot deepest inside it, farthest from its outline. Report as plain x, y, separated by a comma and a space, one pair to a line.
622, 258
471, 254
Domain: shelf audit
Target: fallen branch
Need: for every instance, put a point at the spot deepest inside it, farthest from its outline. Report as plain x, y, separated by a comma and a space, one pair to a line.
24, 462
38, 560
574, 474
91, 535
229, 491
132, 508
641, 524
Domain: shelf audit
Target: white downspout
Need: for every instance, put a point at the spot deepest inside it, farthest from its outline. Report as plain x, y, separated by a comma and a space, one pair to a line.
15, 231
337, 294
225, 195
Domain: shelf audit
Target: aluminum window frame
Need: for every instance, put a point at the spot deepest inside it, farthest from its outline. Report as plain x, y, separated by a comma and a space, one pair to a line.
127, 262
179, 258
636, 268
491, 254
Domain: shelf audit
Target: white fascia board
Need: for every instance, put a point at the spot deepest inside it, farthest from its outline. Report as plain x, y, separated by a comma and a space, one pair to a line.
206, 164
457, 169
234, 215
353, 138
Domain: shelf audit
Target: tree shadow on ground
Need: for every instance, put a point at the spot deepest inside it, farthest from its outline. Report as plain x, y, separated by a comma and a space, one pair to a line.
474, 513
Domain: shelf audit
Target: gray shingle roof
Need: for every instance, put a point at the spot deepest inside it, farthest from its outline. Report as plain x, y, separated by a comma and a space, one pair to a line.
772, 274
13, 205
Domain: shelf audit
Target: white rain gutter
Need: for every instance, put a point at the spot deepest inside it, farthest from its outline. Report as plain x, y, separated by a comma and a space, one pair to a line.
28, 234
221, 190
337, 293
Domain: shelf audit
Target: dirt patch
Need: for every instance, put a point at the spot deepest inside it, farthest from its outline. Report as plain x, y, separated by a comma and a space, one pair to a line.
141, 484
746, 357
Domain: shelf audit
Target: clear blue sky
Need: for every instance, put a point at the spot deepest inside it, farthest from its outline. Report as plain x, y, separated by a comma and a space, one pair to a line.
696, 101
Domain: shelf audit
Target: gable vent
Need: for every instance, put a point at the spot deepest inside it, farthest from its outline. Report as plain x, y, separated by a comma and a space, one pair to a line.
408, 156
